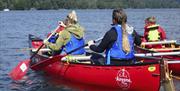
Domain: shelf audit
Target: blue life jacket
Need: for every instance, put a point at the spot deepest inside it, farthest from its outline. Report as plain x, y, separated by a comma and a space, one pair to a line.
73, 44
116, 52
53, 38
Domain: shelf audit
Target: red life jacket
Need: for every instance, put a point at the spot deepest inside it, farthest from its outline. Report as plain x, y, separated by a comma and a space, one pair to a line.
153, 33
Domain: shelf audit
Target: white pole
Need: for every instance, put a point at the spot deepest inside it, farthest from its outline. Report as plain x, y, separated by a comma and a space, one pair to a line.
83, 57
174, 62
159, 42
42, 50
157, 54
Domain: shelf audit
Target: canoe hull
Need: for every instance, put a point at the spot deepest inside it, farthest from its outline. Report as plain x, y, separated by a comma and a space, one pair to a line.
174, 67
130, 78
122, 77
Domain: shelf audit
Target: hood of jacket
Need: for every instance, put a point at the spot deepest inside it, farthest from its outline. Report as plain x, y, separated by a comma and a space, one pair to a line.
129, 29
76, 30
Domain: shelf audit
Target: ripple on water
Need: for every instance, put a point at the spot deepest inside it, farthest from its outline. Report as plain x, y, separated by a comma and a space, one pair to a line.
31, 82
16, 25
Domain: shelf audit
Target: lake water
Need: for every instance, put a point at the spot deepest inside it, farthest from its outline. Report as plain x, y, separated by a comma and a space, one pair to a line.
16, 25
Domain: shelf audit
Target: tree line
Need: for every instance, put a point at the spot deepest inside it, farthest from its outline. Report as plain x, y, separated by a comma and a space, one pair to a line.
86, 4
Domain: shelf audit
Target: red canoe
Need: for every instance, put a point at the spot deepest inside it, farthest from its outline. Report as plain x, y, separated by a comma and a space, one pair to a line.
136, 77
168, 46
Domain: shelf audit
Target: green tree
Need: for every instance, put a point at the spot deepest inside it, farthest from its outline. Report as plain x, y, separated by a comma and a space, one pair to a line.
21, 4
84, 4
1, 5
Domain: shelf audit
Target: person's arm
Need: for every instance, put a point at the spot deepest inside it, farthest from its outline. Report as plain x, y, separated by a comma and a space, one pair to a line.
107, 41
137, 38
163, 34
64, 36
145, 34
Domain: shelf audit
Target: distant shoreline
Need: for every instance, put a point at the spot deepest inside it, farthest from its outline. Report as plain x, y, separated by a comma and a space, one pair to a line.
86, 4
96, 9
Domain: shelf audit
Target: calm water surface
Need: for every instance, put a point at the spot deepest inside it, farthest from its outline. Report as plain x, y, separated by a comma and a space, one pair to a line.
16, 25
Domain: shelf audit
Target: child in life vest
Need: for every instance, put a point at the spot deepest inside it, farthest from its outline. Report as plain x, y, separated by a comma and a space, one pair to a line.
153, 32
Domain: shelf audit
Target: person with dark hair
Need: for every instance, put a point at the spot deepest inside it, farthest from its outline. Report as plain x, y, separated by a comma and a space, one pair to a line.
153, 32
118, 42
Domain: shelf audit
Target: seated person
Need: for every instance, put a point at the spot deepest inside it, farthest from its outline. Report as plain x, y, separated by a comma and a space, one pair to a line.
153, 32
68, 39
118, 42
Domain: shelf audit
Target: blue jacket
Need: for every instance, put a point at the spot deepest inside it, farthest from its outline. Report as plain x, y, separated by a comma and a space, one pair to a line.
73, 44
116, 52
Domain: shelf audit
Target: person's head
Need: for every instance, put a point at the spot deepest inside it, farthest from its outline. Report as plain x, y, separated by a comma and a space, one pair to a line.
71, 18
119, 16
150, 20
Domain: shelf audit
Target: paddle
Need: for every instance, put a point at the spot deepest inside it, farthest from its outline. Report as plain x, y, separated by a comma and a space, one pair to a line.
43, 43
42, 64
41, 50
21, 69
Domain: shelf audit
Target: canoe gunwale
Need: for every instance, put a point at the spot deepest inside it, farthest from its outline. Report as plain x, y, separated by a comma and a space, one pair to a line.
34, 38
136, 64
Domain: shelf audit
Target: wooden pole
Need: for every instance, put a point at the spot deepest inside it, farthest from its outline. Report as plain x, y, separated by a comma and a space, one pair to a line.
166, 49
166, 77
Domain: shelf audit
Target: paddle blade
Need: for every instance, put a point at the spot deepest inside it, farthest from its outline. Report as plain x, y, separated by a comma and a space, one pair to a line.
20, 70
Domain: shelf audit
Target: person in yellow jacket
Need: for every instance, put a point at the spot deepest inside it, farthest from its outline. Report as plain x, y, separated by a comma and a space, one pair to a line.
70, 38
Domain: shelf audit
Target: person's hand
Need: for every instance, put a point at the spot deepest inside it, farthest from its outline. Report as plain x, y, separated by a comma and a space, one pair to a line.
61, 23
45, 41
91, 42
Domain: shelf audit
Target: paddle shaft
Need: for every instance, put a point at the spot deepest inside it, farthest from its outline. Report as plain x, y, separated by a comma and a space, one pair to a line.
95, 41
43, 49
49, 61
77, 49
43, 43
37, 51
